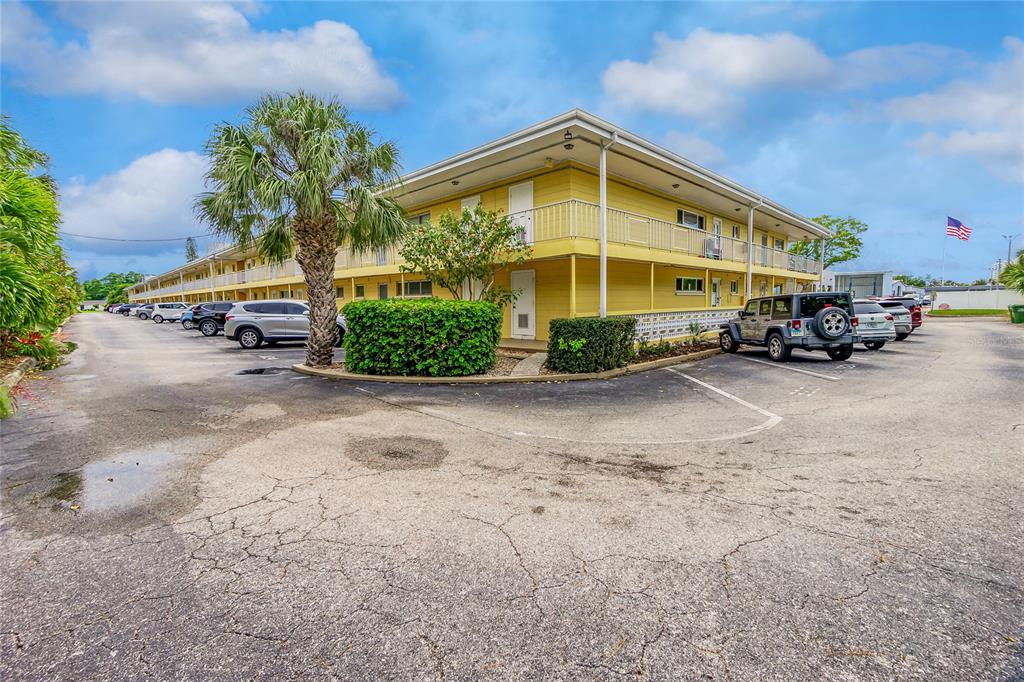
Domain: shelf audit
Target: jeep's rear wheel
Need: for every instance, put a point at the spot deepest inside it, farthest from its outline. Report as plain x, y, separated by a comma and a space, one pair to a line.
778, 351
841, 353
901, 337
874, 345
727, 342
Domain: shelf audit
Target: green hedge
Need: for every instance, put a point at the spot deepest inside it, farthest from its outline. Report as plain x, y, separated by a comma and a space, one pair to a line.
422, 337
590, 344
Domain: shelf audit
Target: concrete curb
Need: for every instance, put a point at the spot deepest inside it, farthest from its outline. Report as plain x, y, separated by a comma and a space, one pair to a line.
14, 377
538, 378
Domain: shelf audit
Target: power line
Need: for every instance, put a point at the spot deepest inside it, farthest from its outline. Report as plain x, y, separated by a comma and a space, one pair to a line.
116, 239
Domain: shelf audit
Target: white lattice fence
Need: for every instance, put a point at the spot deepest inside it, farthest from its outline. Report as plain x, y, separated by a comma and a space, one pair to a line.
654, 326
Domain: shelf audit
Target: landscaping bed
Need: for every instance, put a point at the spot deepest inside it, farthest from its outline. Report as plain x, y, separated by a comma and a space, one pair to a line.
500, 372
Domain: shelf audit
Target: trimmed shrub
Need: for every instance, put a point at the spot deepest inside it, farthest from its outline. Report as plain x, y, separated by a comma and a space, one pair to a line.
422, 337
590, 344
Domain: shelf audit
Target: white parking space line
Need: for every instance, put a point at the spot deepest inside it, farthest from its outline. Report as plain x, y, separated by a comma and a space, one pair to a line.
773, 419
808, 372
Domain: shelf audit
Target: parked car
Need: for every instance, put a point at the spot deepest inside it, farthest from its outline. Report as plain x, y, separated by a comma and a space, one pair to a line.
253, 323
168, 311
900, 317
913, 306
875, 324
926, 301
186, 319
209, 317
126, 308
809, 321
143, 312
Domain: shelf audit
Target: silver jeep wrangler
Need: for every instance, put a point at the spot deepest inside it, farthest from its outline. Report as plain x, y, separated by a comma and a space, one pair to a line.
810, 321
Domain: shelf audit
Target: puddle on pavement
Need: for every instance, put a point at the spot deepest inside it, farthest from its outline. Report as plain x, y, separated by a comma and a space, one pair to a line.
111, 484
399, 453
262, 370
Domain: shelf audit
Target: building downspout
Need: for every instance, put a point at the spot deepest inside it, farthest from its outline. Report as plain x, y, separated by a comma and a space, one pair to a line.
603, 300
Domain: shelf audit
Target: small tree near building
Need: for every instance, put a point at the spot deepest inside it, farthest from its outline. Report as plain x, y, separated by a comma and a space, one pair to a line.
464, 252
844, 244
190, 250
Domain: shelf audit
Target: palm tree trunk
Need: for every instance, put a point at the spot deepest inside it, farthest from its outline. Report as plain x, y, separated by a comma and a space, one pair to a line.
317, 248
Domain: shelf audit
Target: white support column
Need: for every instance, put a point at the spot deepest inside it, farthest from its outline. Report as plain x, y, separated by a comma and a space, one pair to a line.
213, 290
602, 307
603, 182
821, 263
750, 253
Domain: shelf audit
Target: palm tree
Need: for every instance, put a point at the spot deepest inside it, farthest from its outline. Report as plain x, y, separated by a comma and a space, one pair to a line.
1013, 274
299, 175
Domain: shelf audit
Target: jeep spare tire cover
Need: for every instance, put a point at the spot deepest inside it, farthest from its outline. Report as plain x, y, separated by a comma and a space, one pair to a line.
831, 322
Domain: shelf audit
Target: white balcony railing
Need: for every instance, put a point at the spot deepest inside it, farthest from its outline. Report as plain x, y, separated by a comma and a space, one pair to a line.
581, 219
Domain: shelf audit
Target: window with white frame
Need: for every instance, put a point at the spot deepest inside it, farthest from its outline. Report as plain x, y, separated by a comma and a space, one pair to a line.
780, 245
421, 219
339, 292
689, 285
689, 219
422, 288
734, 287
360, 291
735, 231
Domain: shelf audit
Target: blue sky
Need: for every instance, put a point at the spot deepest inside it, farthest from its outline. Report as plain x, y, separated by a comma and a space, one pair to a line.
896, 113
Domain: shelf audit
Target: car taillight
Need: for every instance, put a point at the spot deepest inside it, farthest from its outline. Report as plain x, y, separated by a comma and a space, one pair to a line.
854, 321
228, 317
794, 324
889, 317
916, 309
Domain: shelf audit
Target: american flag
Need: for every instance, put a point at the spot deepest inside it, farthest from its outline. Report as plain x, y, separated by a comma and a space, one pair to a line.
955, 228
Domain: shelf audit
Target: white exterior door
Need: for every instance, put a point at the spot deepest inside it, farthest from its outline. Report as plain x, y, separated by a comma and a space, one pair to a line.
524, 309
716, 292
520, 208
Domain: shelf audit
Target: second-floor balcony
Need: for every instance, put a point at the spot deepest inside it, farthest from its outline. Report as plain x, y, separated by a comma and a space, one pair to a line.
576, 219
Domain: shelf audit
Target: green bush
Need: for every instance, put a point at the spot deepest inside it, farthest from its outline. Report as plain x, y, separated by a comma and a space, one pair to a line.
422, 337
590, 344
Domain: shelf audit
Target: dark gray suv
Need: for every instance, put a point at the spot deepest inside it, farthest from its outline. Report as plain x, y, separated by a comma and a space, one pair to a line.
811, 321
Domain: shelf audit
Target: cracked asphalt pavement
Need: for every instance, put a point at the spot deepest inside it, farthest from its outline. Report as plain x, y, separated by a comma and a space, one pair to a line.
166, 515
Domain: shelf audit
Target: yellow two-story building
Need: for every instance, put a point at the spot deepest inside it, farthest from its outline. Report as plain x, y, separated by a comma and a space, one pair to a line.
618, 225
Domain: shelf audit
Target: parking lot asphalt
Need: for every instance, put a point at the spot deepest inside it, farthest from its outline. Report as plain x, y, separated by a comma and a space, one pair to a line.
167, 511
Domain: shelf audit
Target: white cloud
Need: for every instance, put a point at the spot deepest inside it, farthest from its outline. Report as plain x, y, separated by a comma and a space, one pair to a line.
191, 53
694, 148
983, 117
708, 75
151, 198
699, 76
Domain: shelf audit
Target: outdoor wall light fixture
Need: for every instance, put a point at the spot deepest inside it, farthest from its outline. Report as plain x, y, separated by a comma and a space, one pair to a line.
455, 182
568, 140
675, 185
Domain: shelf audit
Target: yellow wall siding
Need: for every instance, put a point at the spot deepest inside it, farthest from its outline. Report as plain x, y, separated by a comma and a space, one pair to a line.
549, 186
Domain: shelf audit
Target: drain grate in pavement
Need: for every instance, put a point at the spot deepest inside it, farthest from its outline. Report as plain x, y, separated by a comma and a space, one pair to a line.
262, 370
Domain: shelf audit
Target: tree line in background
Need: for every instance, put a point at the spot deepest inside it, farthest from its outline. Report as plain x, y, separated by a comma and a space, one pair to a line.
38, 288
111, 287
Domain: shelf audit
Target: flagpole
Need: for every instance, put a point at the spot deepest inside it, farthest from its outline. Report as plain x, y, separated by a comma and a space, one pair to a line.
942, 270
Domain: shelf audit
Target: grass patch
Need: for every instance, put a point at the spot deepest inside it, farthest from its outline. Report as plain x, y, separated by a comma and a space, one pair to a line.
6, 402
970, 312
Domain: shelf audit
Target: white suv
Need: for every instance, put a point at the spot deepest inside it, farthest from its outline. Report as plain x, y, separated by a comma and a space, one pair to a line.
168, 311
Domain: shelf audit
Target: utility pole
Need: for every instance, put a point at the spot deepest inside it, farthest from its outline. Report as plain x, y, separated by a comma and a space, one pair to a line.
1009, 245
